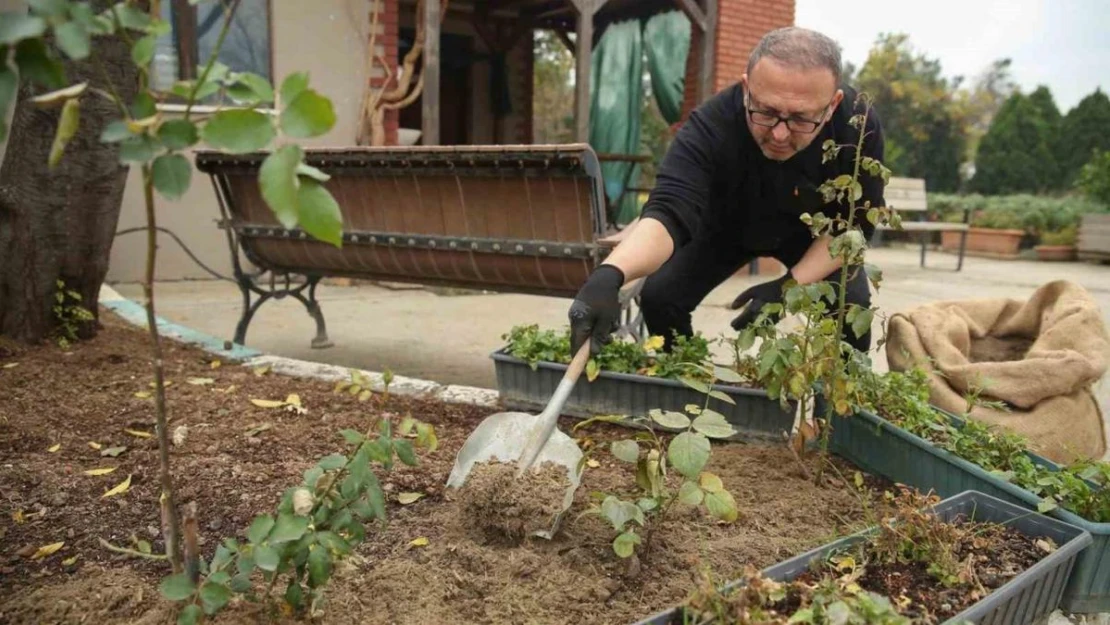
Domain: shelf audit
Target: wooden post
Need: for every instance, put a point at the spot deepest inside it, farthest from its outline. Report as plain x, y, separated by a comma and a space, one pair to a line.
430, 96
708, 41
583, 56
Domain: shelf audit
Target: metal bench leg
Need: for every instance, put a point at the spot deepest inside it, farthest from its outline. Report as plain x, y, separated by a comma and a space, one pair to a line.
248, 285
321, 340
924, 240
632, 315
963, 245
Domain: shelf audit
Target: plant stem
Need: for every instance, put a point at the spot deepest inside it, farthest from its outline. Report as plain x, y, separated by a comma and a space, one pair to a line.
212, 59
111, 86
169, 507
131, 552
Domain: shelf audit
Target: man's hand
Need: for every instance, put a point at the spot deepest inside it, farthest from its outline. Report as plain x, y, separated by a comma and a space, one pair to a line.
756, 298
595, 313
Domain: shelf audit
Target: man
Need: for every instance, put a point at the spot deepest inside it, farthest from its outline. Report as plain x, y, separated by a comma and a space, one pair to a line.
733, 185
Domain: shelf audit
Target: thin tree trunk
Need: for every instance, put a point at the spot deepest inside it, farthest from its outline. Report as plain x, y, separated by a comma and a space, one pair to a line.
60, 224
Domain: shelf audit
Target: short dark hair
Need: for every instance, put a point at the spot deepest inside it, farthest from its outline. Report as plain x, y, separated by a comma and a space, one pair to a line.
798, 47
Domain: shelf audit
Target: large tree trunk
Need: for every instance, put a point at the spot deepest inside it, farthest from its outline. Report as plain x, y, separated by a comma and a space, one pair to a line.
60, 224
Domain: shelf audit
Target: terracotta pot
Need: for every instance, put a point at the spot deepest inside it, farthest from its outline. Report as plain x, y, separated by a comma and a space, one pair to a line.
991, 241
1055, 252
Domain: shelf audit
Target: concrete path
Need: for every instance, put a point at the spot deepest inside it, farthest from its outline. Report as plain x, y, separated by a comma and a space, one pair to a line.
448, 336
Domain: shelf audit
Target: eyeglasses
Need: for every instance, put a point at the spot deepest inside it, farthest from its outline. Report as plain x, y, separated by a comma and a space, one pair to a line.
770, 120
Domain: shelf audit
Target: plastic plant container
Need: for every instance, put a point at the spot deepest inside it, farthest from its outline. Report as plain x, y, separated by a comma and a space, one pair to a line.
755, 416
879, 447
1027, 598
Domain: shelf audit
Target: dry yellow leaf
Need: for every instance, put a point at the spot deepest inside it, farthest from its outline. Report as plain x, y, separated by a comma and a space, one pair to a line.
267, 403
229, 389
261, 371
17, 516
120, 488
94, 445
138, 433
407, 498
55, 447
593, 464
11, 365
215, 364
200, 381
70, 561
104, 471
46, 550
142, 394
293, 400
165, 384
419, 542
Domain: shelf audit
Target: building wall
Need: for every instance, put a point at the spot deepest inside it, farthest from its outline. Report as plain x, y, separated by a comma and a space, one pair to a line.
326, 38
740, 25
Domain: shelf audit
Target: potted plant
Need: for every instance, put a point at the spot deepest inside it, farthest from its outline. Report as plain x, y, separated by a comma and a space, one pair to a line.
925, 563
1058, 245
995, 231
633, 378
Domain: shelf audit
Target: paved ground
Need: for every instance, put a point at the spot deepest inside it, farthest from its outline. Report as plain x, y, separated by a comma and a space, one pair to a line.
447, 337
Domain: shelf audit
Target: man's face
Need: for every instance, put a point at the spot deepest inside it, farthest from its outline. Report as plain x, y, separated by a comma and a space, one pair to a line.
805, 96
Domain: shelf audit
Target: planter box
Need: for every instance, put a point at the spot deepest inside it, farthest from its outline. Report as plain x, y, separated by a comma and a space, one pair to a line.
755, 416
1028, 597
990, 241
879, 447
1094, 237
1055, 252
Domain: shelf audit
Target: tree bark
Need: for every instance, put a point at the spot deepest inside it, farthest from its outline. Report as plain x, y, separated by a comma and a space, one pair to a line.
60, 224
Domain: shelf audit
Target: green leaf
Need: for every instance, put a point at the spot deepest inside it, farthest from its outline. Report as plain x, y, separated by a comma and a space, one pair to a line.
727, 375
129, 16
238, 131
721, 505
1047, 505
319, 567
171, 173
862, 323
36, 65
670, 418
178, 134
647, 504
839, 613
214, 596
376, 497
221, 558
333, 541
619, 512
245, 565
319, 213
48, 8
73, 40
690, 494
710, 483
115, 132
746, 339
68, 123
713, 424
332, 461
15, 27
260, 528
405, 452
259, 86
307, 115
293, 85
697, 385
142, 53
266, 558
143, 106
688, 453
426, 437
294, 595
9, 84
177, 587
352, 436
288, 527
278, 181
241, 583
626, 450
805, 615
625, 544
138, 149
721, 395
312, 172
190, 615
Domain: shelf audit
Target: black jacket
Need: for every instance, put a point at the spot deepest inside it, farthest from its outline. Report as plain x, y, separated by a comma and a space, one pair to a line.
715, 183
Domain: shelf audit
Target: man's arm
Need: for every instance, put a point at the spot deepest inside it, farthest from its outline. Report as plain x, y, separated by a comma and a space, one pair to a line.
644, 251
817, 263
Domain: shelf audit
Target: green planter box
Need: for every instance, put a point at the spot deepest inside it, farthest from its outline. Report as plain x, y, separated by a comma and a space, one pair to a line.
754, 415
879, 447
1027, 598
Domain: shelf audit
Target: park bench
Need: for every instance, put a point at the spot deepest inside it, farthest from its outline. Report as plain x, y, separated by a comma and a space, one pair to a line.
516, 219
907, 196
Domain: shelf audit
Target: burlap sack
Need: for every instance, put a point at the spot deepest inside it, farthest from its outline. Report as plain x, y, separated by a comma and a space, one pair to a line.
1042, 357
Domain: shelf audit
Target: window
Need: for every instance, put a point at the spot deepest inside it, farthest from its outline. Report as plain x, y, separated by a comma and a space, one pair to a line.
181, 54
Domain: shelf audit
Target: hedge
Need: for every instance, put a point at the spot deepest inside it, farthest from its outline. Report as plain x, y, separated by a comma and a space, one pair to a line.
1036, 214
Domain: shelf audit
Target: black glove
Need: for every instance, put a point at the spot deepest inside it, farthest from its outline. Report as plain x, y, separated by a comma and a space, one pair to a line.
756, 298
595, 313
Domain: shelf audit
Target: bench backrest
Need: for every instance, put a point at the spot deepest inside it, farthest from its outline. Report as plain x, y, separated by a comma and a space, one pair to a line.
511, 218
906, 194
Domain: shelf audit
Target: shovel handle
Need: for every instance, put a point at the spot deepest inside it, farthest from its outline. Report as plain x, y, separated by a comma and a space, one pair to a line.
550, 415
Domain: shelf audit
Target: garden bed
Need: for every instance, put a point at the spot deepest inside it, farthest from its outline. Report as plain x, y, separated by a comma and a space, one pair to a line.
236, 458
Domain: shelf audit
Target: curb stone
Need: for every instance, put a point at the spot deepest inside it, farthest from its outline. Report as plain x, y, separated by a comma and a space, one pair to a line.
135, 313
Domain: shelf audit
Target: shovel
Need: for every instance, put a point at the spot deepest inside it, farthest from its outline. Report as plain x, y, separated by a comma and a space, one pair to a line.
528, 439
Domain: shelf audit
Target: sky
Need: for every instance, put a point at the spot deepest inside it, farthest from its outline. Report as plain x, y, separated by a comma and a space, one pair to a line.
1063, 44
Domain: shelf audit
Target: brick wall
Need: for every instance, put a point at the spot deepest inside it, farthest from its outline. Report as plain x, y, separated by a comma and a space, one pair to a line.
740, 25
386, 43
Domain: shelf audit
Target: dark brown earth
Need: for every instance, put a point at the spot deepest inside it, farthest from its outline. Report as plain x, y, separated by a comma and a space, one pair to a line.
236, 459
504, 508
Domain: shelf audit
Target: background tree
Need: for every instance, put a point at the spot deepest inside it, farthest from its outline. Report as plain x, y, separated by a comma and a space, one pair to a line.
1084, 130
58, 224
979, 104
1050, 114
1016, 155
918, 110
553, 93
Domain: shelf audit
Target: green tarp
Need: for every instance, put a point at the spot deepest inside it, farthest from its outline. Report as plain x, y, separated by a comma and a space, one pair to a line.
617, 92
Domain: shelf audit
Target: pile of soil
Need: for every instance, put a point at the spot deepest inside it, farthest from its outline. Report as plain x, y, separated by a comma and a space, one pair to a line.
237, 458
505, 508
999, 349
